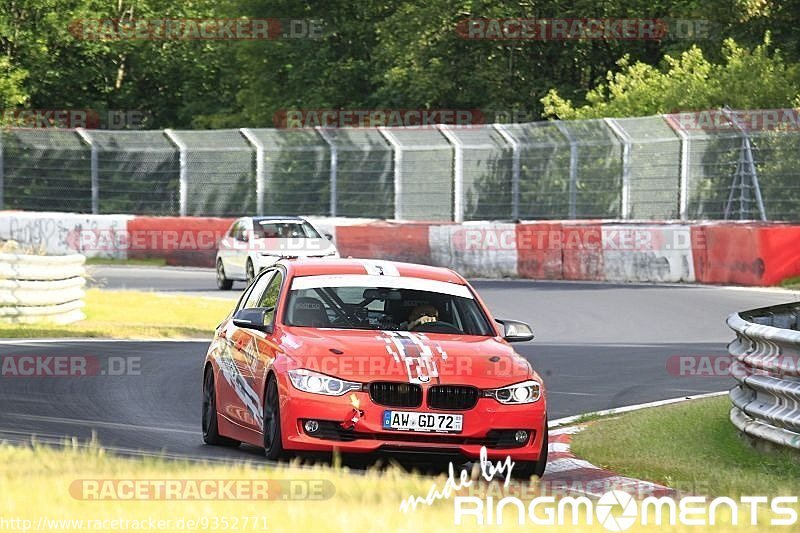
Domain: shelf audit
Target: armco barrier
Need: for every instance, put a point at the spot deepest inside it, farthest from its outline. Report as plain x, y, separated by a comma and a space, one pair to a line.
766, 401
36, 288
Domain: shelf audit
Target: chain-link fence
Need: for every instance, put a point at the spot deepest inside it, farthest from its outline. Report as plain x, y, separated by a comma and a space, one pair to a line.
692, 166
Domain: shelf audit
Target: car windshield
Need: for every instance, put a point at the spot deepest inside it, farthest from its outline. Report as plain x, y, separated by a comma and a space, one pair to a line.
402, 305
272, 229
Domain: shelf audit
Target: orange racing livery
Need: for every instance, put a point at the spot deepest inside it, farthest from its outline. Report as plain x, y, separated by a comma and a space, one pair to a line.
372, 356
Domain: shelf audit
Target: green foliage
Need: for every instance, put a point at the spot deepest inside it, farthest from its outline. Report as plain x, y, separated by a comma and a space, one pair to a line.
745, 79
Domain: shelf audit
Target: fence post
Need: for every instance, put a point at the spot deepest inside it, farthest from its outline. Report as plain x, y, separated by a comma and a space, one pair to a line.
683, 189
182, 176
458, 171
334, 166
573, 169
94, 168
746, 160
515, 167
626, 141
398, 162
260, 182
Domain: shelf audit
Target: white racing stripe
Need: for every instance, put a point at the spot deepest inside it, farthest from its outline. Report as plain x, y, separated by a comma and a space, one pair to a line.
416, 352
388, 282
380, 268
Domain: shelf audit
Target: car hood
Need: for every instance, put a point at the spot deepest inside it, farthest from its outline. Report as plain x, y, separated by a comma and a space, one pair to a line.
373, 355
295, 246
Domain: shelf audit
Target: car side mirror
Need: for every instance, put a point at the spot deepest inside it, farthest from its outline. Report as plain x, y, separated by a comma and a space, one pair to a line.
516, 331
253, 318
328, 236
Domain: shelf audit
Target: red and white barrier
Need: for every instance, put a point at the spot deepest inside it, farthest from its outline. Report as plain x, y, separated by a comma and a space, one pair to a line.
757, 254
483, 249
648, 253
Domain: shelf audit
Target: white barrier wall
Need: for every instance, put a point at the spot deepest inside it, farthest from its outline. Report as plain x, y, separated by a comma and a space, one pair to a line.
40, 288
66, 233
648, 253
482, 249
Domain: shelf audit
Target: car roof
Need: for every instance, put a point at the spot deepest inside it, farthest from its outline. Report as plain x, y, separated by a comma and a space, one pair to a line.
327, 267
276, 217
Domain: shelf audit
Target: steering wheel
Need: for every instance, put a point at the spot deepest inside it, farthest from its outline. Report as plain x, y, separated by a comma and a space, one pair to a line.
437, 326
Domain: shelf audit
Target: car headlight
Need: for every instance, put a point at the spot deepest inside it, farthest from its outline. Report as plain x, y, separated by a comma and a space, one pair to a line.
525, 392
316, 383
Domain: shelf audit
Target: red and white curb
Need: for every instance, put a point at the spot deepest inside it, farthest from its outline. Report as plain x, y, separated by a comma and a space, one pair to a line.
569, 475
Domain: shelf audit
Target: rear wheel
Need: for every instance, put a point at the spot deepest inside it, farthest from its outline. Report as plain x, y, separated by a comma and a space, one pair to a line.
210, 429
250, 271
273, 445
223, 283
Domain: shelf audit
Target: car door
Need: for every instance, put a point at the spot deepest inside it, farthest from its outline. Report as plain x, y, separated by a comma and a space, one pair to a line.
254, 350
241, 245
227, 252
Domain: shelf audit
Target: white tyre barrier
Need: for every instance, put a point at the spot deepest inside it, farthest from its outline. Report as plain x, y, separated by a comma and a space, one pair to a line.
36, 288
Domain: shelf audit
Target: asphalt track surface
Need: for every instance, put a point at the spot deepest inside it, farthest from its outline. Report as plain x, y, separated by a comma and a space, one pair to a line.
598, 346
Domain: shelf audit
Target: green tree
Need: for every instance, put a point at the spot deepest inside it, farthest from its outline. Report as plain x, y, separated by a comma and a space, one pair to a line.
745, 79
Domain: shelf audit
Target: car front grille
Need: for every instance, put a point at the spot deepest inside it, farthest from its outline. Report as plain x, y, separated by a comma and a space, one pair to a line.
452, 397
394, 394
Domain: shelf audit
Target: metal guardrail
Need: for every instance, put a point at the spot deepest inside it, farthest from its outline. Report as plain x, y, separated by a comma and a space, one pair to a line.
766, 352
37, 288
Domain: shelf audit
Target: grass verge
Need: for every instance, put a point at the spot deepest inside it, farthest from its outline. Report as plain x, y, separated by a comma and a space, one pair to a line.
791, 283
49, 488
134, 314
689, 446
154, 261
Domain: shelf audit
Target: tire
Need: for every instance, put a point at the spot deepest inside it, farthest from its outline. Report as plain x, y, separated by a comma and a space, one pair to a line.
223, 283
210, 417
523, 470
250, 272
273, 444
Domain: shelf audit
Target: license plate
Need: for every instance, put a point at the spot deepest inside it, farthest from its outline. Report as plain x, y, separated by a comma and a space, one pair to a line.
413, 421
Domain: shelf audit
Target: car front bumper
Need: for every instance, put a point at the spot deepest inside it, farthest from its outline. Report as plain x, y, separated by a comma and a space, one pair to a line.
488, 424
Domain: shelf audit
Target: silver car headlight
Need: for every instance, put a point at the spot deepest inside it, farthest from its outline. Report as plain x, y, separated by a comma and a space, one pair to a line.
526, 392
316, 383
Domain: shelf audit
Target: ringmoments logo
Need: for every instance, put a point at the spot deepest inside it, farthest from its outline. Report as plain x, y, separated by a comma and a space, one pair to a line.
617, 510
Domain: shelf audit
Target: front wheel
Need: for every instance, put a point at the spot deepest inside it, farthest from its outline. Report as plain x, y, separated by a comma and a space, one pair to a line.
210, 428
223, 283
273, 443
523, 470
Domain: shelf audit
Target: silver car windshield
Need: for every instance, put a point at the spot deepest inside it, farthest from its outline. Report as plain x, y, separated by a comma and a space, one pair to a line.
284, 230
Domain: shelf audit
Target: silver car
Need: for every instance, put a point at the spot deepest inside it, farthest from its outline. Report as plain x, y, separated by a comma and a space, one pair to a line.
255, 243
